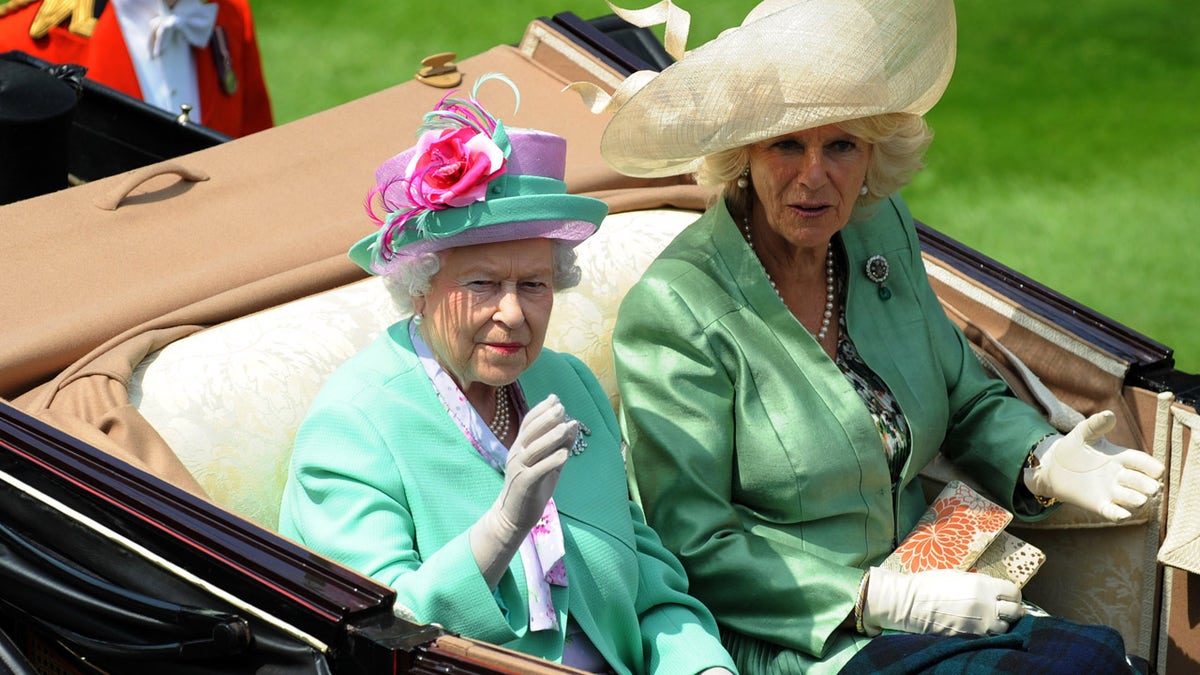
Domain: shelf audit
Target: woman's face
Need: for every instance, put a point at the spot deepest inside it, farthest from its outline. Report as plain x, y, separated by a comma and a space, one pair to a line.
807, 182
487, 308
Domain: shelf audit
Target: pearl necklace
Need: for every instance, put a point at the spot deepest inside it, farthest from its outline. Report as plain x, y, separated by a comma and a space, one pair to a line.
829, 287
500, 420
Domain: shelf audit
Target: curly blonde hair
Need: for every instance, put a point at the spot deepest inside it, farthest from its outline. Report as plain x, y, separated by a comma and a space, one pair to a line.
899, 141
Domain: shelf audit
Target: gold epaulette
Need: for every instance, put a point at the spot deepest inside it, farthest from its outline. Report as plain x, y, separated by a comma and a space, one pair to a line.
54, 12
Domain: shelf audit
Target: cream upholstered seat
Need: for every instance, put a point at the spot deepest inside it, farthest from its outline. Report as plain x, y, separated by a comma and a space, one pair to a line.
229, 399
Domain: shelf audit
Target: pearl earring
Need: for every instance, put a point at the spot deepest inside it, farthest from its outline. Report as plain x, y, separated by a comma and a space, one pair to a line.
418, 318
743, 180
864, 190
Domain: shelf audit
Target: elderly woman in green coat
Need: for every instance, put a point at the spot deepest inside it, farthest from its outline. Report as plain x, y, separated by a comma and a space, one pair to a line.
786, 370
456, 460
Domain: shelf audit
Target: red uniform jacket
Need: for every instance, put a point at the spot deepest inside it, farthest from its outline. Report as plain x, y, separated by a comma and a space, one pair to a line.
104, 54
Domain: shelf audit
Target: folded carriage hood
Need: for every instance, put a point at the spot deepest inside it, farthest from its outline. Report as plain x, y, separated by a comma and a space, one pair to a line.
241, 226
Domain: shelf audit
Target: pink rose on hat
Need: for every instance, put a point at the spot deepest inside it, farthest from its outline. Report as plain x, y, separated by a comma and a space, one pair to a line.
452, 167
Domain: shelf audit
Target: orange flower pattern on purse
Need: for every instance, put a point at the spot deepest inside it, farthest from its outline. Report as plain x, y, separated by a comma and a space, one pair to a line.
956, 529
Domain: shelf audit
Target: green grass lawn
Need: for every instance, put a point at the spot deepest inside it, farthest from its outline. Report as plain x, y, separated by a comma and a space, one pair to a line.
1065, 144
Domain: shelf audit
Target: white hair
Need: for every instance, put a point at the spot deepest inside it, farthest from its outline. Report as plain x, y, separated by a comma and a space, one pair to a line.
409, 277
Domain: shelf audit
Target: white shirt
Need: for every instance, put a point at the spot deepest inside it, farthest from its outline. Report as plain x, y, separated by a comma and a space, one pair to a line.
160, 39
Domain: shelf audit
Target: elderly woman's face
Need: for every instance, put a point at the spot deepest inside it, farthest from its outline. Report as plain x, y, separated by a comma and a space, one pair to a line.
807, 182
487, 308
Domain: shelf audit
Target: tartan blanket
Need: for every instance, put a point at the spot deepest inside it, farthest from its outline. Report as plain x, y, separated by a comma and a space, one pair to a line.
1036, 644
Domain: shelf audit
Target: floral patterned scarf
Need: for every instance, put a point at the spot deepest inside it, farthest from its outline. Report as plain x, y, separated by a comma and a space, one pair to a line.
542, 551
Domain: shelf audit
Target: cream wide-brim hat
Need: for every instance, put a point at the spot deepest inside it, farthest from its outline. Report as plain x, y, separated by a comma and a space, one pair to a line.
791, 65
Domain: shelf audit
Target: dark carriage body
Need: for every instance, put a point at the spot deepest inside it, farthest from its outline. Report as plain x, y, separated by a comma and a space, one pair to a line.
239, 232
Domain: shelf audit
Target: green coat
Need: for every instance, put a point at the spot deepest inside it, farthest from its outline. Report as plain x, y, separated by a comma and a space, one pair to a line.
757, 461
382, 480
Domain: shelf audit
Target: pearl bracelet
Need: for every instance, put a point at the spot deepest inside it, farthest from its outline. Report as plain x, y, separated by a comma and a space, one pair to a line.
859, 602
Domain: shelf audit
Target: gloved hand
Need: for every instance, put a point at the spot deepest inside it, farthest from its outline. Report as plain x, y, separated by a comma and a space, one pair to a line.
530, 476
940, 602
1084, 469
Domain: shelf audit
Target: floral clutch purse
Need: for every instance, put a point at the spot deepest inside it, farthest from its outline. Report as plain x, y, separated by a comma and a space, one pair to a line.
964, 530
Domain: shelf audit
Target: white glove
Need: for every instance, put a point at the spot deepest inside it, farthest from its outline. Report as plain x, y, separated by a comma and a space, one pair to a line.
530, 476
940, 602
1084, 469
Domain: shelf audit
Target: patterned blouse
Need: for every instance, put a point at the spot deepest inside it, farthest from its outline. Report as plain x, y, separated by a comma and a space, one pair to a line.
889, 419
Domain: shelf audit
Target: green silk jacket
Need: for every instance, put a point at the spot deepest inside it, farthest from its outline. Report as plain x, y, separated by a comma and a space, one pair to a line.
383, 480
757, 461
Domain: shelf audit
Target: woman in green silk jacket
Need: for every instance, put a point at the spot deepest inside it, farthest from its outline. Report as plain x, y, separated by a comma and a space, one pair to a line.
421, 463
785, 368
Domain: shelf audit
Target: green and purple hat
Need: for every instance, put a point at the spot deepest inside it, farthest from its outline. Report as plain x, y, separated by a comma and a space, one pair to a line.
470, 180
